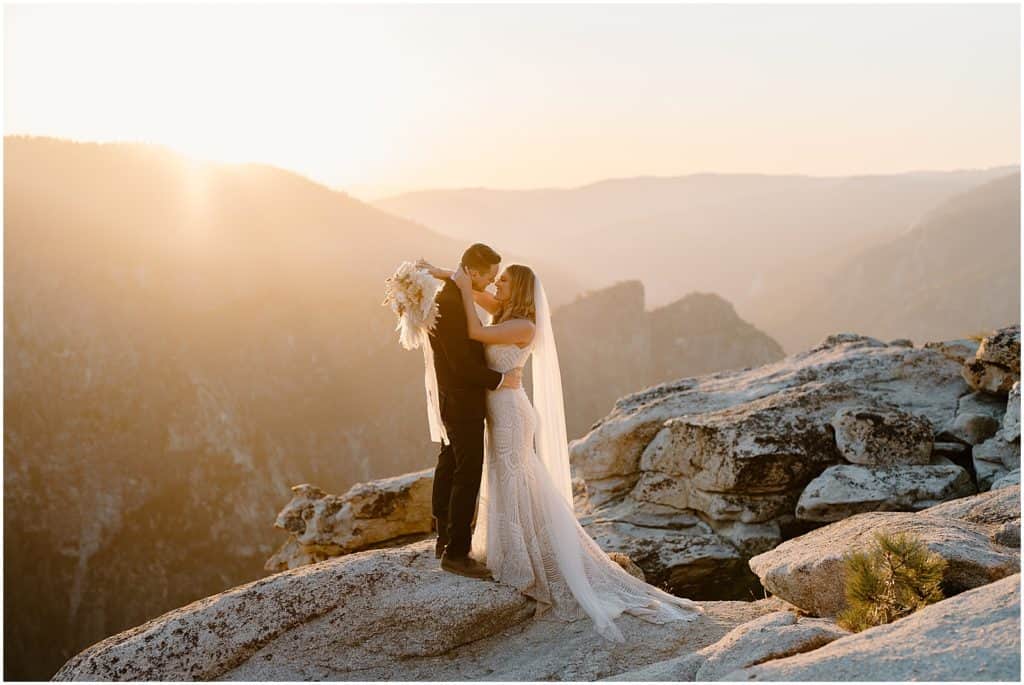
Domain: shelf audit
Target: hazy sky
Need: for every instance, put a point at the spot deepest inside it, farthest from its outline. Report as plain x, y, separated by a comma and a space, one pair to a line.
376, 99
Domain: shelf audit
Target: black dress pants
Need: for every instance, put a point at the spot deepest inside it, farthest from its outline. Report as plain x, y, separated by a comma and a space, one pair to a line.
457, 482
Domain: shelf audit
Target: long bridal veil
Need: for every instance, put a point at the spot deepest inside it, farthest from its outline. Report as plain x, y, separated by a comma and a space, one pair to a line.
556, 493
552, 447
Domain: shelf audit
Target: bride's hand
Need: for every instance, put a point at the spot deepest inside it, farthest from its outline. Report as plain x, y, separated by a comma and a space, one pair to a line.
462, 279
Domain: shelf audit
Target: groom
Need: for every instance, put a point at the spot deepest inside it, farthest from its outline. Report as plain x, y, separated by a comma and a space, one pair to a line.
462, 380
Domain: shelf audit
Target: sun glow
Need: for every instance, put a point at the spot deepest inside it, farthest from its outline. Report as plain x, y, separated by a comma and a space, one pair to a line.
383, 98
313, 96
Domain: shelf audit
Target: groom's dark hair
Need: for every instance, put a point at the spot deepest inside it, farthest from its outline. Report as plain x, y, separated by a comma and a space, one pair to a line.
480, 257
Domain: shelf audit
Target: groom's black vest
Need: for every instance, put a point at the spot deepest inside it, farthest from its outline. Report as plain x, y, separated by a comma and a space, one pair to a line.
462, 373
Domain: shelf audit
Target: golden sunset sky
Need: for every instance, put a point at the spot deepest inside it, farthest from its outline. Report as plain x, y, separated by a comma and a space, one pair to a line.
381, 99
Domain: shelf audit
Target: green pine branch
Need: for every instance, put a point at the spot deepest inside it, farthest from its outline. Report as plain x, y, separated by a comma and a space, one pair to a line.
894, 579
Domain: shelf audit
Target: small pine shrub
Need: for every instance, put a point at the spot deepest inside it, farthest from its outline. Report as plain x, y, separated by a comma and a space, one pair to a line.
894, 579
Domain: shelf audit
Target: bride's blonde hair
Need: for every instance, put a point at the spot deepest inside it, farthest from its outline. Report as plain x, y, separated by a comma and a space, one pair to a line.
520, 303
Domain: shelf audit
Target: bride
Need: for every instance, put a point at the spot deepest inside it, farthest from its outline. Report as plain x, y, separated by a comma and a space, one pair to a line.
528, 534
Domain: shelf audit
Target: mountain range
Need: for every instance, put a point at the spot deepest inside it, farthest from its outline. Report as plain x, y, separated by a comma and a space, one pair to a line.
756, 240
953, 273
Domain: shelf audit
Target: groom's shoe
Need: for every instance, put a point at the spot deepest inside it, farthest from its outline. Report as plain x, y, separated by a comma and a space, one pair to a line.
439, 547
465, 566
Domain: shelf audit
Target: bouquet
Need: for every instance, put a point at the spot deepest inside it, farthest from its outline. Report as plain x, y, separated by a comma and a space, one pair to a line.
410, 293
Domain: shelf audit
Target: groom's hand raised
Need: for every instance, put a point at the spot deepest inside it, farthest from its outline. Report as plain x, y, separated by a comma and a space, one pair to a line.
513, 380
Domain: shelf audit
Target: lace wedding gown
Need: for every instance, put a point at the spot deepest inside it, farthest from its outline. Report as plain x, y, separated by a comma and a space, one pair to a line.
528, 535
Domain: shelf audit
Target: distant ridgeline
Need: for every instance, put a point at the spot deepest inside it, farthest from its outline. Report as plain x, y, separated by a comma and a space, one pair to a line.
609, 346
800, 257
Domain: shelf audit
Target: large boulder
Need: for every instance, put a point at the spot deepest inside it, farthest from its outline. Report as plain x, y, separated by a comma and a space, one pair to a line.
843, 370
1008, 480
372, 607
384, 511
678, 552
988, 473
996, 365
996, 513
753, 538
769, 446
679, 492
768, 637
973, 636
846, 489
772, 636
994, 459
978, 417
809, 572
388, 615
988, 511
882, 437
736, 449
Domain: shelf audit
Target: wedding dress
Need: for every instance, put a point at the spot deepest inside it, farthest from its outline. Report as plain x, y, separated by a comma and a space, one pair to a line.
527, 533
